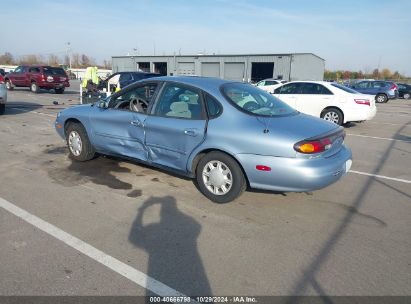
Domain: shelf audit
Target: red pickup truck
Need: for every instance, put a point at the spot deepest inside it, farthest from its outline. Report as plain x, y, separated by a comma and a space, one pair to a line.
38, 77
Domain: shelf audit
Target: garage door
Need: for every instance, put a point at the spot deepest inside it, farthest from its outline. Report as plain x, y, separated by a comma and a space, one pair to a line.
210, 69
234, 71
186, 68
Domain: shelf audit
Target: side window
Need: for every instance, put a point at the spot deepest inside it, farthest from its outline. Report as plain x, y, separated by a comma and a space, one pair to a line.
261, 83
314, 88
213, 106
137, 99
362, 85
19, 70
179, 101
378, 84
34, 70
271, 82
126, 77
291, 88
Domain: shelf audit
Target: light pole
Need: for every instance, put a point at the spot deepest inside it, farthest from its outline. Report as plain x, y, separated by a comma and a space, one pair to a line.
69, 53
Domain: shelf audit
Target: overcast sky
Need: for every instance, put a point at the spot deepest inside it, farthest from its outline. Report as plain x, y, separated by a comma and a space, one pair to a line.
350, 34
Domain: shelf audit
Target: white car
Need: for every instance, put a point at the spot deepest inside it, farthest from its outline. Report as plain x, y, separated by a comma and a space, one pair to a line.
269, 85
330, 101
3, 95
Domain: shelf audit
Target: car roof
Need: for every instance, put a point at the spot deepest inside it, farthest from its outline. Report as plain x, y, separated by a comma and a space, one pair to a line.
204, 83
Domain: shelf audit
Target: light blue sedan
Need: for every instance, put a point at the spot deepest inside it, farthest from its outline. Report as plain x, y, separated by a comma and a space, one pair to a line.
226, 135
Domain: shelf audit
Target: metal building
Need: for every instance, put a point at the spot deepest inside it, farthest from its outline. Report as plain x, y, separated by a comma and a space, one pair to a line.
254, 67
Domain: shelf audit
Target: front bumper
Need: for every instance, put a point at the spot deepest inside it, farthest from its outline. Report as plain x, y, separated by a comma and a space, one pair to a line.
296, 174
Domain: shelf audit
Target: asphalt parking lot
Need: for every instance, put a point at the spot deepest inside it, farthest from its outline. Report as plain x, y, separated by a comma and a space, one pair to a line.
352, 238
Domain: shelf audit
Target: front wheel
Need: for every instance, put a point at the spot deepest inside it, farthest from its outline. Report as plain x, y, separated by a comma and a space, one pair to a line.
220, 177
381, 98
78, 143
407, 96
2, 108
59, 91
333, 115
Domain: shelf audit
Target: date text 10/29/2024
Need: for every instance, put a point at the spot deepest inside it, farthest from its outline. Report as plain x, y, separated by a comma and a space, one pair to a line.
205, 299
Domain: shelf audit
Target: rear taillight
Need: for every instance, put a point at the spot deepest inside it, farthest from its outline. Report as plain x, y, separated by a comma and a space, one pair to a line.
1, 79
393, 87
362, 101
43, 77
317, 145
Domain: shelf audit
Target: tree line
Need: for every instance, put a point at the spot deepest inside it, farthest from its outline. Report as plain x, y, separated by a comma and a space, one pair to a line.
384, 74
77, 60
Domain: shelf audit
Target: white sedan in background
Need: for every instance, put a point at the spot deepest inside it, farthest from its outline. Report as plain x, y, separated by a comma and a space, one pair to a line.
330, 101
269, 85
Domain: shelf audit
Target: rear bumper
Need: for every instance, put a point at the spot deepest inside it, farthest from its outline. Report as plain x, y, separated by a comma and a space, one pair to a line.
360, 113
295, 174
54, 85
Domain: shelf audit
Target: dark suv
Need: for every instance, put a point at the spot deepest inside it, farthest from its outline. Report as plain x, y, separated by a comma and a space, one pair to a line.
126, 78
38, 77
383, 90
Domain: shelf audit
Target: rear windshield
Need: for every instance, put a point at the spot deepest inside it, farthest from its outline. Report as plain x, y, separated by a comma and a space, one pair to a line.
344, 88
54, 71
255, 101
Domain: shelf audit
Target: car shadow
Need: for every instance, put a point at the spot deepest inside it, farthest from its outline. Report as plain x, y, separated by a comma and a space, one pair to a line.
309, 276
171, 244
17, 107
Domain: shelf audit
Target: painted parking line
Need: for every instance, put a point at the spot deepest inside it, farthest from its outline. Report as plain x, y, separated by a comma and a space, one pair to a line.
97, 255
382, 138
35, 112
382, 176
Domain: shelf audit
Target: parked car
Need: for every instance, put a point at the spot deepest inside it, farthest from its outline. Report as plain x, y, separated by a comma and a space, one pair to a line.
328, 100
225, 134
382, 90
38, 77
3, 95
404, 90
124, 79
269, 85
2, 72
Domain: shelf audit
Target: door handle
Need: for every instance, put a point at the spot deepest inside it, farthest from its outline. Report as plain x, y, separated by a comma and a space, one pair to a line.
136, 123
190, 132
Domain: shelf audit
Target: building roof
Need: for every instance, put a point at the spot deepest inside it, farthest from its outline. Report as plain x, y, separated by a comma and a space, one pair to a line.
218, 55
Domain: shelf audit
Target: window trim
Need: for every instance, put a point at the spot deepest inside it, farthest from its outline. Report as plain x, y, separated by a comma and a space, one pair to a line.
209, 117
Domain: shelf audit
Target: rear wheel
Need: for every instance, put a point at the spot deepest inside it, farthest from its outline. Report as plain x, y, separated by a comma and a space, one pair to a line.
59, 91
381, 98
220, 178
9, 86
334, 115
34, 87
2, 108
78, 143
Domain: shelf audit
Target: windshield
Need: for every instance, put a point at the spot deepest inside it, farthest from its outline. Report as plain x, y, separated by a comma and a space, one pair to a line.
54, 71
255, 101
344, 88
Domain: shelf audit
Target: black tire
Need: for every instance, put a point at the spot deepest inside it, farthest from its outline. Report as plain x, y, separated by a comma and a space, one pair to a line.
334, 115
381, 98
9, 86
86, 150
2, 108
59, 91
34, 87
235, 174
